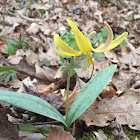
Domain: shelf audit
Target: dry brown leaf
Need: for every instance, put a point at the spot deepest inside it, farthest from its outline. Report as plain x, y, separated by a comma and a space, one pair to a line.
48, 29
111, 56
126, 109
15, 59
12, 20
2, 43
34, 28
53, 57
89, 26
98, 15
31, 57
63, 91
108, 92
61, 75
54, 100
47, 43
126, 51
42, 54
60, 91
84, 74
31, 86
79, 84
72, 97
20, 11
58, 10
132, 58
17, 84
23, 67
7, 29
43, 6
99, 65
46, 74
93, 5
124, 80
45, 89
68, 4
129, 45
28, 82
56, 134
131, 61
35, 41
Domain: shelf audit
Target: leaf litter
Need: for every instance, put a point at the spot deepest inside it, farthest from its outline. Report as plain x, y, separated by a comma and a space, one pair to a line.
124, 108
23, 19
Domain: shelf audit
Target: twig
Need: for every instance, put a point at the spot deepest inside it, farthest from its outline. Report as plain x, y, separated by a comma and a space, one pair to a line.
4, 11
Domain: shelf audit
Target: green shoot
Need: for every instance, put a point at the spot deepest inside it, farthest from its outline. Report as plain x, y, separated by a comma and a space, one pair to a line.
8, 75
13, 46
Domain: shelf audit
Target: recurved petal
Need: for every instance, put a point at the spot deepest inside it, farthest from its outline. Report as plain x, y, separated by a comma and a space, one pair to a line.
63, 46
117, 41
82, 42
107, 43
90, 35
68, 54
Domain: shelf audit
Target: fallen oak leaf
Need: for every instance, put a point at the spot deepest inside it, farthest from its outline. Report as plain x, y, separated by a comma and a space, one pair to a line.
126, 109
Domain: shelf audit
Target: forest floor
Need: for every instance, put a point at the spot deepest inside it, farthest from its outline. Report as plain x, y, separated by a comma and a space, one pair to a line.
27, 28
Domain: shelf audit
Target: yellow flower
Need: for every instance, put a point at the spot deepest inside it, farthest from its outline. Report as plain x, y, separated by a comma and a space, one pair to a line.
84, 44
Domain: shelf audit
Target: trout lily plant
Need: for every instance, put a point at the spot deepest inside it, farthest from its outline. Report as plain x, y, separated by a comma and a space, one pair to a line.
84, 45
89, 92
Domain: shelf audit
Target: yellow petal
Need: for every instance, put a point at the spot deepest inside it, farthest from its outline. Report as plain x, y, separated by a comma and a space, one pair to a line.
107, 43
63, 46
82, 42
117, 41
67, 54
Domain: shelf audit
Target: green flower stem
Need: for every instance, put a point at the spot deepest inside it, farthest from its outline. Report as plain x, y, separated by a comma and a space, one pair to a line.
67, 92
